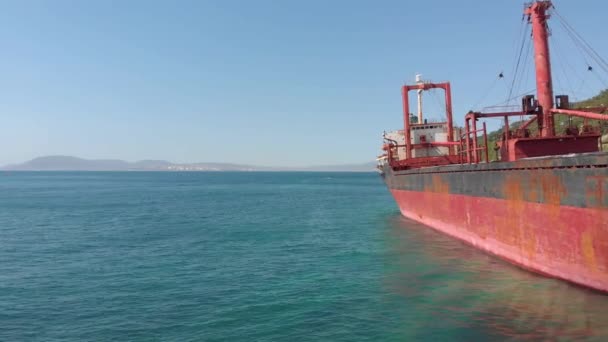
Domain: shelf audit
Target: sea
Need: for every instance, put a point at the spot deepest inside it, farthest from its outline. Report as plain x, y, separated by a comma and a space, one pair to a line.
256, 256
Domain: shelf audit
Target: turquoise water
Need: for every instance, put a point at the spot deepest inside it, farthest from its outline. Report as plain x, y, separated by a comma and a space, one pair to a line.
255, 257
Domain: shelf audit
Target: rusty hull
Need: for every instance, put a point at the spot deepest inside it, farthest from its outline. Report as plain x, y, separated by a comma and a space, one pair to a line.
548, 214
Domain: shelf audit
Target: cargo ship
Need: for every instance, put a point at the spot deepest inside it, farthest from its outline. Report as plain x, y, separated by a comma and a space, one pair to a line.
541, 202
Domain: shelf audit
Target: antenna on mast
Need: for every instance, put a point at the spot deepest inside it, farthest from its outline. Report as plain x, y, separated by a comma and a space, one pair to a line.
419, 92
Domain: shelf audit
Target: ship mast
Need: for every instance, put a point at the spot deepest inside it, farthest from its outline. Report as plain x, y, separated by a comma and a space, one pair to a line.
419, 81
537, 14
515, 144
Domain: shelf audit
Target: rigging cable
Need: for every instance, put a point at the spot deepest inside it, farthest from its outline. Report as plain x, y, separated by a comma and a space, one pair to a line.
557, 86
438, 102
515, 73
525, 71
488, 90
598, 58
582, 49
506, 102
563, 59
583, 46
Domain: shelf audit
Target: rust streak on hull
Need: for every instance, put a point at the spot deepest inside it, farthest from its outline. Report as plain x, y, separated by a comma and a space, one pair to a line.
549, 215
565, 245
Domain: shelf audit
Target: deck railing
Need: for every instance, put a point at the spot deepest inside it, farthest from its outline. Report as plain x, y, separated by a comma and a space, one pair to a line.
471, 152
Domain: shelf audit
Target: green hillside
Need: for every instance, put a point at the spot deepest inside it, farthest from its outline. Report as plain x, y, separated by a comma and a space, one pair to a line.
601, 99
561, 121
598, 100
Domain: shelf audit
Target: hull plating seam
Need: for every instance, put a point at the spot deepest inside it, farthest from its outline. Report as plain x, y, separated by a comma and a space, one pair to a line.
507, 169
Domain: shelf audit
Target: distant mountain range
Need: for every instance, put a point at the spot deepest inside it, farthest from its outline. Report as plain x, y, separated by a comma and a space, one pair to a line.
68, 163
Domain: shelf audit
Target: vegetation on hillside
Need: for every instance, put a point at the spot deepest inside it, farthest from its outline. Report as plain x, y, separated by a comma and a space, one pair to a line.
600, 99
562, 122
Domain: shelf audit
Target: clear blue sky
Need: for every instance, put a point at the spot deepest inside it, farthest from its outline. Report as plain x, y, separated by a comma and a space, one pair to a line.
260, 82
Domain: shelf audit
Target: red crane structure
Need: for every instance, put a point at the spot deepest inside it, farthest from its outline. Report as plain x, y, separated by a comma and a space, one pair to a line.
471, 147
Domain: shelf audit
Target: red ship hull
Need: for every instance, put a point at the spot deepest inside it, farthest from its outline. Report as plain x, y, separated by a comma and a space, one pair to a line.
543, 205
549, 215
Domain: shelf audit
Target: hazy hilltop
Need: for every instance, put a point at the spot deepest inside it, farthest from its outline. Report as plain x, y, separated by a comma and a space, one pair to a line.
151, 164
365, 167
60, 163
69, 163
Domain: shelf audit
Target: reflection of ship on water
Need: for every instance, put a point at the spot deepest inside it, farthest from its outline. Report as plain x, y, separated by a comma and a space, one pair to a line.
465, 287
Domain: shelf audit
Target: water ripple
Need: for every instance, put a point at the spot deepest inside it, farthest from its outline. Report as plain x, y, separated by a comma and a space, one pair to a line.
256, 256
